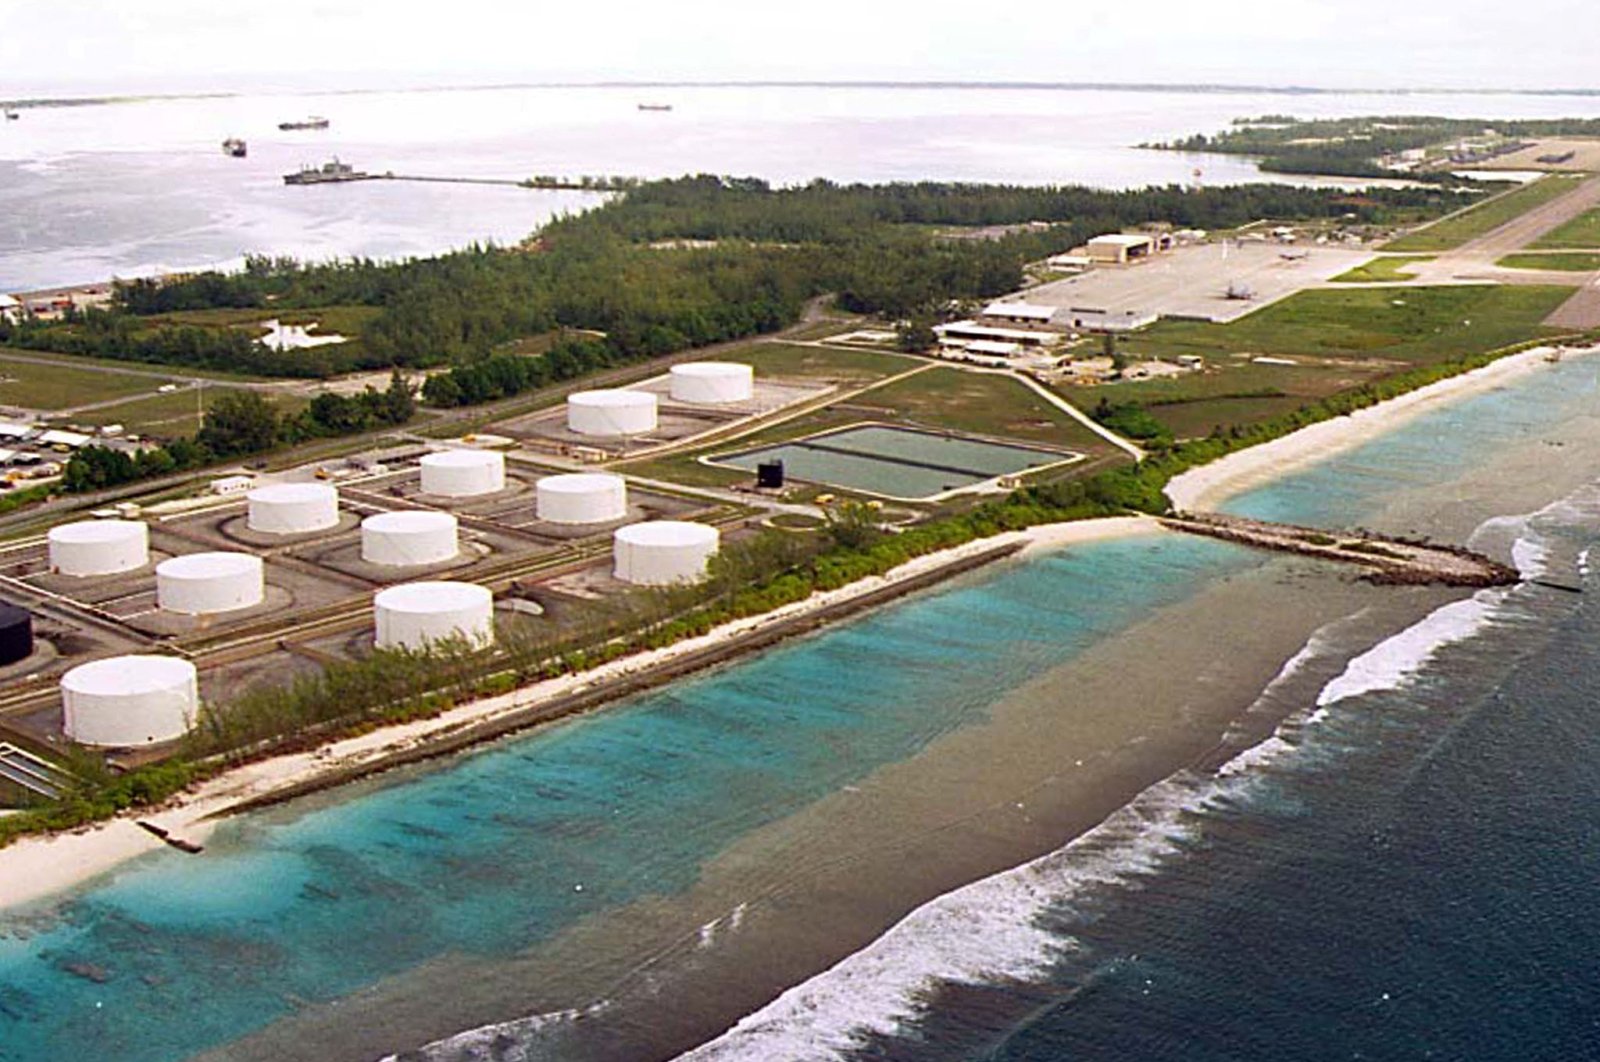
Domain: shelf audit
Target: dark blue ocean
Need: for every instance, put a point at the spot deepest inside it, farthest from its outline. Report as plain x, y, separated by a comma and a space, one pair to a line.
1405, 869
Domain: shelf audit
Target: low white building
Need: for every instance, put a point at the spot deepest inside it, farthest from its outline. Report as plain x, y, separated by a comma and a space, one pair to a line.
231, 485
993, 348
70, 439
1019, 313
1071, 263
1085, 319
964, 332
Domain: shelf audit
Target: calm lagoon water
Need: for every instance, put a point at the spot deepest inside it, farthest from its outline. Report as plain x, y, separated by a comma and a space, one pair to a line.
141, 186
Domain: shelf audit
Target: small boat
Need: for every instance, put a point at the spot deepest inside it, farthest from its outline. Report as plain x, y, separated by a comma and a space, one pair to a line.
655, 106
313, 122
233, 147
12, 115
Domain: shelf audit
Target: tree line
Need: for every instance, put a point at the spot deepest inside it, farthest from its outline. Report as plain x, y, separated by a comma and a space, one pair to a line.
617, 269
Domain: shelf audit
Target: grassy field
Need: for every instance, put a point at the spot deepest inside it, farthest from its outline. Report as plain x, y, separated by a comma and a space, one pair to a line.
345, 320
150, 370
1339, 339
61, 386
940, 398
1453, 231
981, 403
1234, 390
1571, 261
170, 415
1416, 325
821, 363
1381, 270
1580, 233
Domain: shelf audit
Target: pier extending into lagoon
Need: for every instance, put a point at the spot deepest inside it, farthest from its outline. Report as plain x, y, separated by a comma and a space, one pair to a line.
551, 184
1388, 560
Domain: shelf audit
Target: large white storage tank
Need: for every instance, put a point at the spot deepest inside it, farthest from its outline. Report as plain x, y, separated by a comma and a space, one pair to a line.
463, 473
660, 552
196, 584
414, 615
99, 547
581, 498
611, 413
408, 538
130, 700
712, 382
293, 508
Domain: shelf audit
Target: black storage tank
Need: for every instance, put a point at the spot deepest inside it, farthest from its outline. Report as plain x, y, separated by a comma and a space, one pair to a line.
769, 475
16, 634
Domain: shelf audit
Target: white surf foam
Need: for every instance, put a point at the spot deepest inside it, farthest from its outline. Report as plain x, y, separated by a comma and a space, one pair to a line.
507, 1041
985, 931
1395, 661
1269, 751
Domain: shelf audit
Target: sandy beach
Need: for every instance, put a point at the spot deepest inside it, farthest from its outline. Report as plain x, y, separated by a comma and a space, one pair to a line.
1203, 488
35, 868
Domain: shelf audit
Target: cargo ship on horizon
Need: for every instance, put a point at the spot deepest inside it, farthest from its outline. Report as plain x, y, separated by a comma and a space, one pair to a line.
314, 122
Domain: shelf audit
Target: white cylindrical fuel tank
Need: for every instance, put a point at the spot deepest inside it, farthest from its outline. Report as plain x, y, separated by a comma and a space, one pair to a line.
200, 583
412, 615
99, 547
663, 551
408, 538
712, 382
462, 473
611, 412
130, 700
581, 498
293, 508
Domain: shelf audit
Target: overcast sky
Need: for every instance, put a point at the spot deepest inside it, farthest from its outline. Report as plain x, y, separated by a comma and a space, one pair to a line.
147, 45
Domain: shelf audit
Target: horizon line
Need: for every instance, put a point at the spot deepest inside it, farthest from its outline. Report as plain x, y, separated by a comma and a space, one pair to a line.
983, 84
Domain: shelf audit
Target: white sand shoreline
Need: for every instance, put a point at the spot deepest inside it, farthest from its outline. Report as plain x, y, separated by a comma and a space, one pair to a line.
1207, 486
36, 868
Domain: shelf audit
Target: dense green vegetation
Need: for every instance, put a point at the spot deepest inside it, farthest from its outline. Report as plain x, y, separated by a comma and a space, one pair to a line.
773, 249
1453, 231
1568, 261
1391, 269
1133, 421
1352, 146
505, 375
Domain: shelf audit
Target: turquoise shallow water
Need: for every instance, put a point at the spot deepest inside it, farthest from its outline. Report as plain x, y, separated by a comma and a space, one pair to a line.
1439, 446
487, 856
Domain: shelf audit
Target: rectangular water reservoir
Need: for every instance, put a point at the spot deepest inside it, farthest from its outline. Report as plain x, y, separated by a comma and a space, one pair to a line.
896, 462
